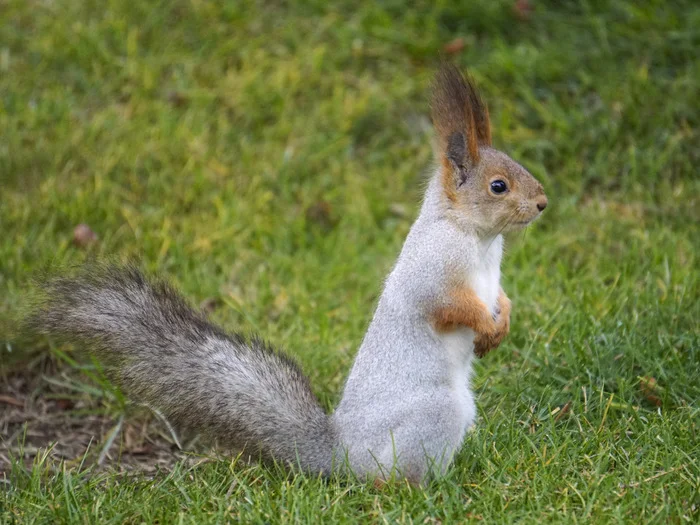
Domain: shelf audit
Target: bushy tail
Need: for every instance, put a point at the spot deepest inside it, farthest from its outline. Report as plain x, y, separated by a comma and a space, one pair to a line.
163, 353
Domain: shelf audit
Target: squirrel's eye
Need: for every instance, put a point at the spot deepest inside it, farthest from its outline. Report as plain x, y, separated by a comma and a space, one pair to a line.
498, 187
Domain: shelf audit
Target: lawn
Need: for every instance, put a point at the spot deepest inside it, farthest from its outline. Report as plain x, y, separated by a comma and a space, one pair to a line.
268, 158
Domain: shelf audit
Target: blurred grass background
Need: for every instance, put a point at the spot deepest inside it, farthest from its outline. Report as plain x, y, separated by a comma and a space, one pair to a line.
269, 157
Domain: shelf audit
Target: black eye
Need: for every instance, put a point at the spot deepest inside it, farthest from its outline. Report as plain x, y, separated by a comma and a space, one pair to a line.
499, 186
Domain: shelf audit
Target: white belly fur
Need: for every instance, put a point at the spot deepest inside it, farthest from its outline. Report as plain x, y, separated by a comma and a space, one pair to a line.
459, 348
459, 345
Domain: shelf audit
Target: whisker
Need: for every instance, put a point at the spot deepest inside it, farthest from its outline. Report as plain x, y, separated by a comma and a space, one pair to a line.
505, 224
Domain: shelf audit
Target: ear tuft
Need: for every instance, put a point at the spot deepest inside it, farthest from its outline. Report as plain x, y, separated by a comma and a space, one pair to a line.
459, 112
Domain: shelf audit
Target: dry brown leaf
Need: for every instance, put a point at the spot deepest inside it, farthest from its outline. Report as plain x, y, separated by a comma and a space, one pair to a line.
454, 46
83, 236
523, 9
650, 390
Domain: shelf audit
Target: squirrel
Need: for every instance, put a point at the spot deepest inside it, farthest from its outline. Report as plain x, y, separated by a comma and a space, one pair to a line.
407, 402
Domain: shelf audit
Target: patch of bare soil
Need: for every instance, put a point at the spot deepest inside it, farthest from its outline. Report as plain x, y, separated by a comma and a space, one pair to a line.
39, 417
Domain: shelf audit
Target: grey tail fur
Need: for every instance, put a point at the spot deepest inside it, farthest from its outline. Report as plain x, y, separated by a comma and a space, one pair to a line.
245, 395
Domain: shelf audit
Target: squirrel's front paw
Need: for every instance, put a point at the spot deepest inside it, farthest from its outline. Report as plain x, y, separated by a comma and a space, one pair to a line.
484, 342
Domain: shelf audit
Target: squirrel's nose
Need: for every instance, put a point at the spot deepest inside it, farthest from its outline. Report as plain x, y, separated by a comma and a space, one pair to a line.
541, 205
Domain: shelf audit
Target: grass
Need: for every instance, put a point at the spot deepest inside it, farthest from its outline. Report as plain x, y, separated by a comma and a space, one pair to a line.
271, 155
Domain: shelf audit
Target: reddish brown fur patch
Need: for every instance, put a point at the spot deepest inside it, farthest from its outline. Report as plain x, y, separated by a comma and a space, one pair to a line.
472, 142
466, 309
482, 124
486, 128
448, 180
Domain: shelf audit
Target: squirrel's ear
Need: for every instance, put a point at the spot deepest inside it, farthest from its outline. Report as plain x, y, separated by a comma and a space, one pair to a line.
461, 121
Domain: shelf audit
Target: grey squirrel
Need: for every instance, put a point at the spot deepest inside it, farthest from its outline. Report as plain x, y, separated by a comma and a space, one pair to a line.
407, 402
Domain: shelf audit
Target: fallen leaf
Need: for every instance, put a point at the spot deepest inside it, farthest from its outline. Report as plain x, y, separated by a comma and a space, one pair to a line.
64, 404
523, 9
650, 390
8, 400
454, 46
379, 483
83, 236
564, 410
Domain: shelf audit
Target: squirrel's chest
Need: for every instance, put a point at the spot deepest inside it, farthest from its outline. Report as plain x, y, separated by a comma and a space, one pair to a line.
484, 278
486, 283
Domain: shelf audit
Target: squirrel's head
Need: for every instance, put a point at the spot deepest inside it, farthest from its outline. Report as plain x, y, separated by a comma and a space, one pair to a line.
483, 188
